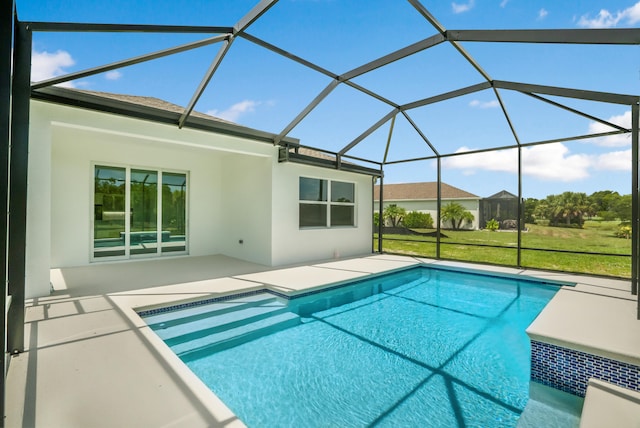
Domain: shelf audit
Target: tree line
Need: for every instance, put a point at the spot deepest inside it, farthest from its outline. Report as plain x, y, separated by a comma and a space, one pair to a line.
567, 209
573, 208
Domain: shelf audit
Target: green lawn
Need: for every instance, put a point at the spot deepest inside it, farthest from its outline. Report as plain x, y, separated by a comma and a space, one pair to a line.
595, 237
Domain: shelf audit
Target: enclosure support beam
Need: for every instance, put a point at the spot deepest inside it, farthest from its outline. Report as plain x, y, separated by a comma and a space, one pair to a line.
438, 207
75, 27
635, 211
380, 210
6, 46
605, 97
609, 36
521, 220
21, 88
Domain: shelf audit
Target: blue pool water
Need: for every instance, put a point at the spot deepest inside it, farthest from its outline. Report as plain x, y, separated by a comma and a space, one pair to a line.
423, 347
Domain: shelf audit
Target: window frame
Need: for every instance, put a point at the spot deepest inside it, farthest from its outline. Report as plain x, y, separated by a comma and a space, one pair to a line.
127, 229
328, 203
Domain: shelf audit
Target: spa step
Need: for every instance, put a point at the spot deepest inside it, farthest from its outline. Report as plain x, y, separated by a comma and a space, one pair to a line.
169, 319
215, 342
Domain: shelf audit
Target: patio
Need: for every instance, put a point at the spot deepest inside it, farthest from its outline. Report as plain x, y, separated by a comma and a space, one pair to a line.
85, 340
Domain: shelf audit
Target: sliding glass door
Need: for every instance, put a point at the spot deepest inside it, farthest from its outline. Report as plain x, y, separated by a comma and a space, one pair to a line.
109, 206
143, 238
156, 220
174, 219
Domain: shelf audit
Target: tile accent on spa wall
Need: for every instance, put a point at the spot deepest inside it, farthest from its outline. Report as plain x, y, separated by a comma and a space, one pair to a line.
570, 370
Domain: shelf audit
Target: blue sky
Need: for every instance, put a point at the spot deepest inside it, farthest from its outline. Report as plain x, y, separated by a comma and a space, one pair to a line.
260, 89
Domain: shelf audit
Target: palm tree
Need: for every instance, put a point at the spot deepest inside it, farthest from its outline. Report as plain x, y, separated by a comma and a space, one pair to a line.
457, 214
394, 214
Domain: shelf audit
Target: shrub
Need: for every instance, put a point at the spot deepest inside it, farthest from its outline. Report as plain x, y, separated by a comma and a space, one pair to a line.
624, 230
376, 219
492, 225
418, 220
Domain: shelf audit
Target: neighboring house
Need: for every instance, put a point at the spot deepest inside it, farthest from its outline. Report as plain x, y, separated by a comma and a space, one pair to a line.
500, 207
423, 197
112, 178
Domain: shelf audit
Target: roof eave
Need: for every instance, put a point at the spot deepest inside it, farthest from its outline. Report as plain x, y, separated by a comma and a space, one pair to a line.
107, 105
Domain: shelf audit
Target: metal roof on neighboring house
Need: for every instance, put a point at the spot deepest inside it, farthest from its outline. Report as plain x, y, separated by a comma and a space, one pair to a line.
420, 191
503, 194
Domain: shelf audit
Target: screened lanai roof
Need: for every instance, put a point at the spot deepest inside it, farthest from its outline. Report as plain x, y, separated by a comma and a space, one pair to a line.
386, 81
529, 97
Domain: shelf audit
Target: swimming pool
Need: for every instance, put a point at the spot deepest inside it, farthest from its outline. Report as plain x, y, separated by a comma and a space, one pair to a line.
421, 347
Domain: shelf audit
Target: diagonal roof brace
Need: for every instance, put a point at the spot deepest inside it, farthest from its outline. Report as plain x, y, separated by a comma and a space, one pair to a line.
580, 113
394, 56
205, 80
321, 96
128, 62
240, 26
419, 131
288, 55
253, 15
369, 131
447, 95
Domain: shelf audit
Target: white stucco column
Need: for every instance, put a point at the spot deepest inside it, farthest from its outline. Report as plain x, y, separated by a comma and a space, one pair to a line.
38, 249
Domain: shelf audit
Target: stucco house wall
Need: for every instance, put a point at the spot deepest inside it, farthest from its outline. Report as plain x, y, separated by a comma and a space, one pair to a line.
291, 244
241, 201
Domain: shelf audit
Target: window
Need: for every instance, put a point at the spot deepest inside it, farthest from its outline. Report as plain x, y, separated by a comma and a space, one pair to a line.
325, 203
134, 215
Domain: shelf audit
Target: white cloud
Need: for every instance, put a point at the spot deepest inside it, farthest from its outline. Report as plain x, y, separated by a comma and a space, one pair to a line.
113, 75
542, 13
618, 140
606, 19
484, 104
503, 3
614, 161
545, 162
45, 65
234, 112
501, 160
462, 7
554, 162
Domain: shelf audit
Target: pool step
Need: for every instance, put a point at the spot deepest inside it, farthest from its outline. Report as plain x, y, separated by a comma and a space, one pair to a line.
226, 339
169, 319
202, 327
196, 331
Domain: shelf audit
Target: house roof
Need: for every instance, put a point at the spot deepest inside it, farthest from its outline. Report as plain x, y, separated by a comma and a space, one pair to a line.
149, 108
158, 110
503, 194
420, 191
151, 102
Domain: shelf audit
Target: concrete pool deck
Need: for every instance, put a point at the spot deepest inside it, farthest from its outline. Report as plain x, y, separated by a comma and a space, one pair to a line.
92, 362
